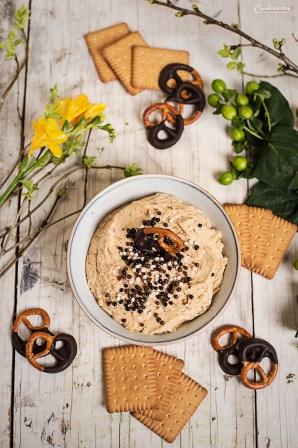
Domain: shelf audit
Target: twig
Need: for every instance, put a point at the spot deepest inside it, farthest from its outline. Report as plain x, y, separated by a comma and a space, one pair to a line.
5, 179
61, 179
10, 229
86, 168
6, 234
29, 217
11, 84
42, 227
275, 75
289, 65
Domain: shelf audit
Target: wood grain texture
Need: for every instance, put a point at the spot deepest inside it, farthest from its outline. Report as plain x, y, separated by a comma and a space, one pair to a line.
275, 301
10, 134
67, 410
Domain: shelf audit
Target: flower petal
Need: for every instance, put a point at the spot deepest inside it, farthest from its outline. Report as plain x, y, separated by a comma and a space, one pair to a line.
94, 110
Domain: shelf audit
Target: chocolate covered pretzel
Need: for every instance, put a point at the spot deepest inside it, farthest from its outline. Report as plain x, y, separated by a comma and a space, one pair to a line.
63, 355
251, 353
42, 342
18, 343
169, 114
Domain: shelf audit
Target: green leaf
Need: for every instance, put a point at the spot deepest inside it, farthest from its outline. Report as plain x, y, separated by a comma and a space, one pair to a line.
11, 35
278, 106
132, 170
229, 93
111, 131
195, 7
235, 53
30, 187
231, 65
179, 14
224, 52
283, 203
240, 67
278, 44
88, 161
24, 164
278, 161
237, 122
21, 17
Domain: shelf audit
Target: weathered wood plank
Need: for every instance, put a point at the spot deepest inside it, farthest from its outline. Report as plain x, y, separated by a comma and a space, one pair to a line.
275, 301
67, 409
10, 127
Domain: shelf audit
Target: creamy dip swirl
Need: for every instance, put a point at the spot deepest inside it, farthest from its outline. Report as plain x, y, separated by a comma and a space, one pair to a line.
155, 294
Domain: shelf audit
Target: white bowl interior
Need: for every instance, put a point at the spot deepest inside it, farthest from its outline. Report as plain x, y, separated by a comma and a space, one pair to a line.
125, 191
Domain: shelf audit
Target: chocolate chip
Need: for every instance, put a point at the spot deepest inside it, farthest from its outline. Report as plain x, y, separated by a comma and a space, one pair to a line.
190, 296
141, 324
158, 212
114, 303
109, 303
212, 274
123, 320
196, 247
170, 302
165, 224
200, 225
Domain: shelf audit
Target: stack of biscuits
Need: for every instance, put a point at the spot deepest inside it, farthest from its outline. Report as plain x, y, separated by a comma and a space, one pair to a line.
152, 387
263, 237
121, 54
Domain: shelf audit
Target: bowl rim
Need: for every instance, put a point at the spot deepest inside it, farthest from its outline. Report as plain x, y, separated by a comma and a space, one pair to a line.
85, 309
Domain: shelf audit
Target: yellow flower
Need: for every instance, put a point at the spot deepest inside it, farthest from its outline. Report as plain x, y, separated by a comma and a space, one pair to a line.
72, 108
94, 110
47, 133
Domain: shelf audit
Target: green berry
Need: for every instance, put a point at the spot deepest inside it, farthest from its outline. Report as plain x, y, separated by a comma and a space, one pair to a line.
251, 87
213, 99
218, 85
239, 163
295, 264
245, 112
237, 134
229, 112
226, 178
242, 99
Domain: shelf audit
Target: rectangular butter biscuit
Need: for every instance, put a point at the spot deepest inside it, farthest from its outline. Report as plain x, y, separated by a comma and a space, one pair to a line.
189, 398
119, 56
147, 63
97, 40
130, 378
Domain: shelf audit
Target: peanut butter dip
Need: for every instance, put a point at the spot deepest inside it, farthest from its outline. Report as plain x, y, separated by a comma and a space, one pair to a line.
155, 292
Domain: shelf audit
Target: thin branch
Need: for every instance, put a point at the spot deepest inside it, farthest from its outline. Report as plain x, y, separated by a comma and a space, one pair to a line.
5, 179
5, 236
35, 235
86, 168
289, 65
11, 84
276, 75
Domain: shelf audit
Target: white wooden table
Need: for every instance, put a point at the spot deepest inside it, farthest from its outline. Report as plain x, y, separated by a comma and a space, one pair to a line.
66, 410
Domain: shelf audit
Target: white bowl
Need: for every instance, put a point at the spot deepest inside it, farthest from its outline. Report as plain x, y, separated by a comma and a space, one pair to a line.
128, 190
